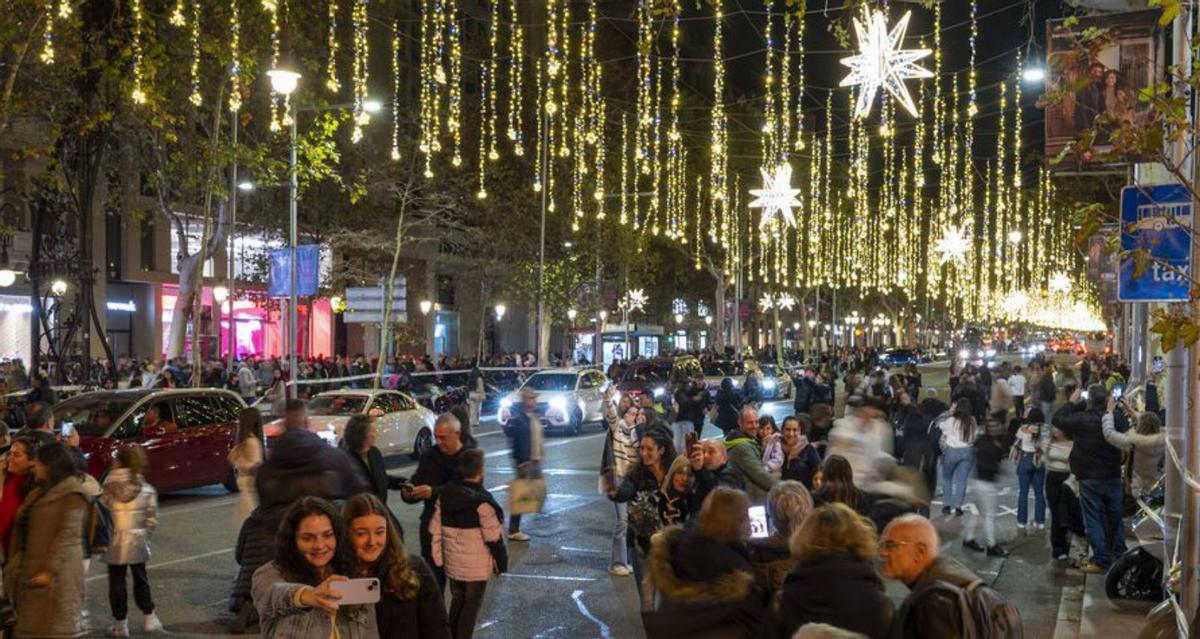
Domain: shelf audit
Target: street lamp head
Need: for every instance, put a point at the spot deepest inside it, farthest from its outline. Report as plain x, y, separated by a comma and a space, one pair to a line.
603, 315
708, 320
59, 287
1014, 237
1034, 74
812, 323
372, 106
283, 81
245, 186
796, 326
572, 314
425, 306
500, 310
220, 294
7, 277
679, 318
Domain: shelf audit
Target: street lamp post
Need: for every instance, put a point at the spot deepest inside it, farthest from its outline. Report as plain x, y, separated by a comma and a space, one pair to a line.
284, 83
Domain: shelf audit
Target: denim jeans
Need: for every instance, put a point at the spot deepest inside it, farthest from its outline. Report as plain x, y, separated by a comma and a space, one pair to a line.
1047, 411
956, 469
1102, 501
1030, 476
620, 550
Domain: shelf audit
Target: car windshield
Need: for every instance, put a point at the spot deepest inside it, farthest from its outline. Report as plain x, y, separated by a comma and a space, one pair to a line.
723, 369
336, 405
552, 382
92, 416
768, 370
900, 353
647, 373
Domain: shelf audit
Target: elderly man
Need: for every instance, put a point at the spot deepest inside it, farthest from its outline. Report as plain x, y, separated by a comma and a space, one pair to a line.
746, 455
938, 586
710, 465
437, 467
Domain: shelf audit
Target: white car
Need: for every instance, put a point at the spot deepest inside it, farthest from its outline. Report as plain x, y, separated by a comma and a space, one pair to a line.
402, 425
567, 398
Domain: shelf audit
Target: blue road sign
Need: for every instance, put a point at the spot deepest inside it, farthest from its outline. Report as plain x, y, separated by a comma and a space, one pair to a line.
1159, 220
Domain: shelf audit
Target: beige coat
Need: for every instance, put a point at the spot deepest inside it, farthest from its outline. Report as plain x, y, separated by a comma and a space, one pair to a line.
48, 537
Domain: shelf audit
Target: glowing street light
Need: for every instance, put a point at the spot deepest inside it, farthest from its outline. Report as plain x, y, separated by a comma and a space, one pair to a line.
426, 305
1034, 75
500, 310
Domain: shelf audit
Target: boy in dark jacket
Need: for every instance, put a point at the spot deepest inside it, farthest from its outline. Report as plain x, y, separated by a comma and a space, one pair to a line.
989, 452
468, 541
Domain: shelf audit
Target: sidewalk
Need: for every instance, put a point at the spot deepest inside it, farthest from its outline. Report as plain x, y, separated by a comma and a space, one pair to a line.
1086, 611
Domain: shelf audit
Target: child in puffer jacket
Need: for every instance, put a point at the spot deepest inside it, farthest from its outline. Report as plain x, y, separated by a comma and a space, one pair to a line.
772, 446
468, 541
134, 507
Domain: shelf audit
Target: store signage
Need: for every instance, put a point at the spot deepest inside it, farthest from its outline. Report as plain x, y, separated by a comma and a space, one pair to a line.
17, 307
1157, 220
125, 307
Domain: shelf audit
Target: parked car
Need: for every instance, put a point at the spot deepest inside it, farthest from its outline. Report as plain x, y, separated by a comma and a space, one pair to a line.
717, 370
658, 376
777, 384
402, 425
567, 398
896, 357
192, 454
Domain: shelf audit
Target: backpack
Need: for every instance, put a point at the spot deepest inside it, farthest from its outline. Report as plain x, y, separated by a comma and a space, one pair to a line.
98, 530
986, 614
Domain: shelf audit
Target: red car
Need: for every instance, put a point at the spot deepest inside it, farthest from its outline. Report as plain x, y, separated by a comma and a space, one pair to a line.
192, 454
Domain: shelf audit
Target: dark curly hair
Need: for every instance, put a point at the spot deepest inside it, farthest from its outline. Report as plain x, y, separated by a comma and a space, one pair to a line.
400, 580
292, 564
355, 433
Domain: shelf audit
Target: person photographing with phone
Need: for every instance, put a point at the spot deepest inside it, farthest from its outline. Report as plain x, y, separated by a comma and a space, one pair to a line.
297, 593
1147, 441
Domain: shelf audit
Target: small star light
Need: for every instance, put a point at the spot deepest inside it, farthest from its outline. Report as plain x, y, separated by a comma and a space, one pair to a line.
1060, 283
635, 300
785, 301
881, 63
767, 302
777, 194
953, 245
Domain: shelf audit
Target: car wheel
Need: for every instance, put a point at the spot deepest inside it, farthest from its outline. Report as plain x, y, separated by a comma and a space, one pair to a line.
423, 443
576, 422
230, 482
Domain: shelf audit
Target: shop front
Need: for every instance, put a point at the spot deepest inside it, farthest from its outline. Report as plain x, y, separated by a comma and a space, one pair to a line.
16, 339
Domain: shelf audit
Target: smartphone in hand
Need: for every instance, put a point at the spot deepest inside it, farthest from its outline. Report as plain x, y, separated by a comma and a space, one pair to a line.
356, 591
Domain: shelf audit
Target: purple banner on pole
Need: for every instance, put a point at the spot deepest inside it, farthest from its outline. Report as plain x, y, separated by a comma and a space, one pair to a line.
308, 260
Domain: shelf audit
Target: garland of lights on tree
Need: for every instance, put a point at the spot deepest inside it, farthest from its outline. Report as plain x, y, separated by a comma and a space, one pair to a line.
895, 204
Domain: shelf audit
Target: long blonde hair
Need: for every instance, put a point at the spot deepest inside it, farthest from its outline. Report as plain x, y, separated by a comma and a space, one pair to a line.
834, 529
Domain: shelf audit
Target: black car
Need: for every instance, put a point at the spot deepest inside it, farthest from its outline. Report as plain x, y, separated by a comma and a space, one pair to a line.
658, 376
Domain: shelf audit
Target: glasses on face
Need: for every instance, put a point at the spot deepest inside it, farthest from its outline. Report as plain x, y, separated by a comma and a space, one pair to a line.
888, 545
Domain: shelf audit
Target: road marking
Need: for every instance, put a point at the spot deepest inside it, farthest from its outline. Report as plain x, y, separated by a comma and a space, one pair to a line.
220, 501
181, 560
587, 550
1070, 612
605, 633
546, 577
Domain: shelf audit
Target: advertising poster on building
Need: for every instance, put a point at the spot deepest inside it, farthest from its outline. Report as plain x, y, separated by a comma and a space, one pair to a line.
1094, 82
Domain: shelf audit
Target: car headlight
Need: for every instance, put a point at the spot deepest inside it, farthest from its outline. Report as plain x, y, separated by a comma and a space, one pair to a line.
769, 384
658, 392
559, 404
964, 353
506, 402
735, 383
991, 352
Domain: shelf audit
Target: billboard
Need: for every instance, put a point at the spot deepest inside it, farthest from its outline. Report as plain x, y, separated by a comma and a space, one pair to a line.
1095, 83
308, 259
1158, 221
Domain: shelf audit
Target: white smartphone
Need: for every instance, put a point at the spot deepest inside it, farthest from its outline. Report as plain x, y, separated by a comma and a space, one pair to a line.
758, 522
67, 429
357, 591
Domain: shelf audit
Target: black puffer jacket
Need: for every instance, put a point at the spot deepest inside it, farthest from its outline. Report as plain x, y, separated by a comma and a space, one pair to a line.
838, 590
1092, 457
300, 464
708, 589
729, 405
255, 546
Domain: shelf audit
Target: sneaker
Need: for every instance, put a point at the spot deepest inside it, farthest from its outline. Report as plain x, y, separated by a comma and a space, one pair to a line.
1039, 525
119, 628
1092, 568
958, 512
971, 544
518, 536
1021, 527
620, 570
996, 551
1062, 557
151, 623
946, 510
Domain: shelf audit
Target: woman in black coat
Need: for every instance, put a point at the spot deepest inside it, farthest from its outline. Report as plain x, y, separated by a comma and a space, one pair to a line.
729, 405
358, 440
834, 581
800, 456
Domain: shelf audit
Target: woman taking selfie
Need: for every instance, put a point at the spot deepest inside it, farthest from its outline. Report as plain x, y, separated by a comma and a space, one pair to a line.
44, 573
640, 488
294, 593
411, 605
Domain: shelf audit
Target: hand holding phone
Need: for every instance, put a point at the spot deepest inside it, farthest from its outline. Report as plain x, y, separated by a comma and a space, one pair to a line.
356, 591
690, 441
758, 522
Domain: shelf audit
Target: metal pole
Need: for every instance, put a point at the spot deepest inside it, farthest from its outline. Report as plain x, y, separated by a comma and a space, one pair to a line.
1139, 336
737, 312
541, 305
293, 321
233, 198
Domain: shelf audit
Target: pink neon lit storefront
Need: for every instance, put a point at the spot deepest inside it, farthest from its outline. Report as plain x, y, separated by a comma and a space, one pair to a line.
258, 325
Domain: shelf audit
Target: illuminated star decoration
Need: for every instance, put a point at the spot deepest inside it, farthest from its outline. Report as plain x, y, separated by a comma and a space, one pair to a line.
766, 303
881, 63
777, 194
953, 245
785, 301
635, 300
1059, 282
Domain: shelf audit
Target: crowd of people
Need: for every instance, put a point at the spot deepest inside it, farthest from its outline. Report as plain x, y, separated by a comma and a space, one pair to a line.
835, 494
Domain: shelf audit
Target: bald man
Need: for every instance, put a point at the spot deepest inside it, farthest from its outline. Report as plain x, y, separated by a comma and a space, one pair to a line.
437, 467
910, 550
746, 455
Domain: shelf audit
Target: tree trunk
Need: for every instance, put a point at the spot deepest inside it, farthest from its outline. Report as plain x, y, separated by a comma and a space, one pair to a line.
717, 335
188, 272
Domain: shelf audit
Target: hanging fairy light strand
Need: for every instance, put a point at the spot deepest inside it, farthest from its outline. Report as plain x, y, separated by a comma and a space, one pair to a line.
138, 93
396, 51
195, 98
235, 55
516, 66
331, 73
358, 21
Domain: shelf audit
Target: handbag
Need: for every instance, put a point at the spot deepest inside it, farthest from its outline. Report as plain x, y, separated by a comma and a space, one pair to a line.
527, 491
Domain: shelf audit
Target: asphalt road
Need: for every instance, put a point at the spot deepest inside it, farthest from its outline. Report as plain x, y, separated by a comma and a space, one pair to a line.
558, 583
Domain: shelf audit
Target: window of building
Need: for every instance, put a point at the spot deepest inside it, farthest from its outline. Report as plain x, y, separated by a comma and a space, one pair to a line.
445, 290
146, 240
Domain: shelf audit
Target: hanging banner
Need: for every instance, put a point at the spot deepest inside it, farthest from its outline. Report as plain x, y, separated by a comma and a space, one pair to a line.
308, 259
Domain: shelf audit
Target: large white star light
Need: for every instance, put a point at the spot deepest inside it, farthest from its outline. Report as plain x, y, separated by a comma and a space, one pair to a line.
634, 300
1060, 283
953, 245
881, 63
777, 194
